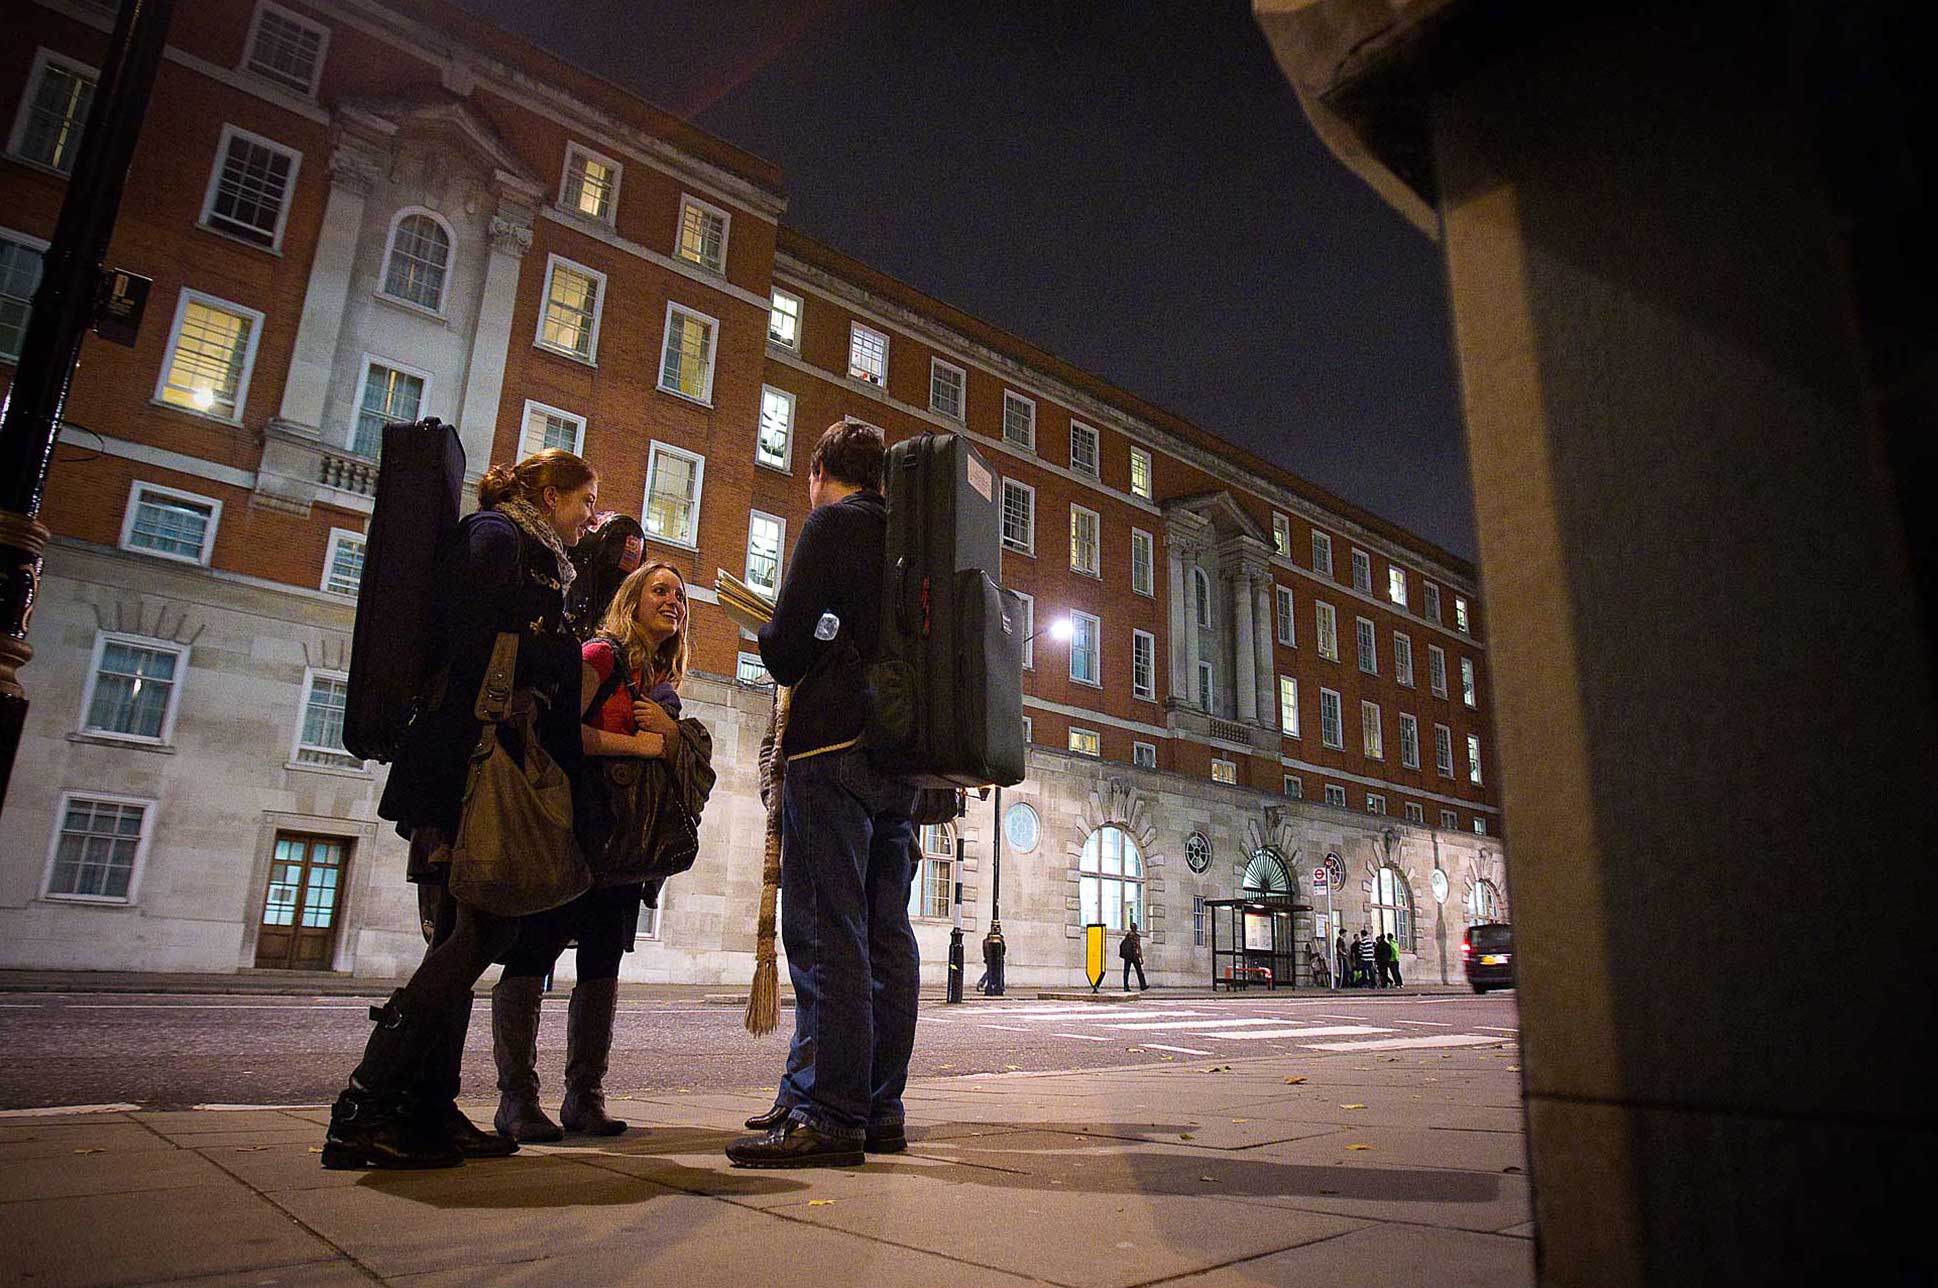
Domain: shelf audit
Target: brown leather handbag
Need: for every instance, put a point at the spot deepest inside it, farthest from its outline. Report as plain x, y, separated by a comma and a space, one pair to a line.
515, 853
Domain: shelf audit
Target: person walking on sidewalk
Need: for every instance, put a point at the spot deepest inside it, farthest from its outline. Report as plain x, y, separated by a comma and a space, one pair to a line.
1383, 960
846, 829
633, 669
1363, 948
1342, 975
1131, 949
1393, 958
504, 569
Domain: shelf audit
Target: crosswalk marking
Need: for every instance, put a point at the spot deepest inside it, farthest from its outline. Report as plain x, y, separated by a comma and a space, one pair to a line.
1195, 1024
1062, 1017
1324, 1031
1399, 1044
1081, 1037
1159, 1046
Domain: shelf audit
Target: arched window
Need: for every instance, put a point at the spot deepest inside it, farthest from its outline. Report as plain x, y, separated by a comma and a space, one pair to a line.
1484, 901
1266, 873
1393, 907
1201, 588
1111, 879
420, 253
933, 890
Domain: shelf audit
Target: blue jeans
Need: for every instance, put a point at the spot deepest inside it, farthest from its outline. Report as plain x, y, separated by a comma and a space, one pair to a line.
846, 865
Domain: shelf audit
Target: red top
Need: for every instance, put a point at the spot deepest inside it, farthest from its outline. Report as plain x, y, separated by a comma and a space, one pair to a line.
615, 714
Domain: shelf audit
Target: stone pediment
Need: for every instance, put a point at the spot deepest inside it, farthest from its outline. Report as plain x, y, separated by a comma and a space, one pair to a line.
1226, 517
433, 110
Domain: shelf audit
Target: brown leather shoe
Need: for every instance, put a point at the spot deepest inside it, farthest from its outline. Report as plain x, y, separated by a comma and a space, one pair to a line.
796, 1144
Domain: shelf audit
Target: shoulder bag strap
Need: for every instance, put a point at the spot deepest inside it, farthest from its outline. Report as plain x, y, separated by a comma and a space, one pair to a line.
494, 695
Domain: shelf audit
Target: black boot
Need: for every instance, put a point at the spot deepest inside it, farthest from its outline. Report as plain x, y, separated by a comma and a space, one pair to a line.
588, 1048
514, 1046
443, 1074
375, 1122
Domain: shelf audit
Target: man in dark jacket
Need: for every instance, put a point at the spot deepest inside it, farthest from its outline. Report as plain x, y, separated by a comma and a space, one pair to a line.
1131, 950
846, 831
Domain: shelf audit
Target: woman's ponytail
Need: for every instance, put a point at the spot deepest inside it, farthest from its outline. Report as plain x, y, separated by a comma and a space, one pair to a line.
552, 467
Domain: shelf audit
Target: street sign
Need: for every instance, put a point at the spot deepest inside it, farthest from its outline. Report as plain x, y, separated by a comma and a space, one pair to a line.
118, 310
1319, 878
1093, 954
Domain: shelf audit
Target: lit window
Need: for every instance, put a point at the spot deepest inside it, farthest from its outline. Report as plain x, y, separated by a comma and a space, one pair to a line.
211, 349
1201, 597
1198, 921
1083, 448
1019, 517
1396, 584
1393, 902
1207, 686
133, 687
1480, 826
569, 323
1144, 755
1375, 803
1143, 563
1437, 670
20, 260
53, 111
1287, 623
1443, 751
1140, 473
1295, 787
1468, 692
1029, 629
319, 737
1460, 612
775, 446
703, 234
1409, 741
647, 926
946, 385
1366, 645
766, 536
749, 669
1144, 665
1403, 658
673, 479
932, 892
551, 427
1372, 736
1473, 759
1029, 731
1289, 706
174, 525
343, 563
1083, 540
784, 320
1224, 771
1332, 727
97, 848
867, 354
1110, 878
388, 397
1085, 742
1362, 570
1321, 553
248, 194
1327, 623
1430, 605
1281, 536
420, 255
686, 360
1335, 795
1019, 421
1086, 634
287, 49
591, 184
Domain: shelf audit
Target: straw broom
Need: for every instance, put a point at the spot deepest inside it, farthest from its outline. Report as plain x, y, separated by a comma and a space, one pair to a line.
764, 998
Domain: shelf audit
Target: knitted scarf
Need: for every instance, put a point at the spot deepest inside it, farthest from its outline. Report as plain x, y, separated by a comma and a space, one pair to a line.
763, 997
533, 523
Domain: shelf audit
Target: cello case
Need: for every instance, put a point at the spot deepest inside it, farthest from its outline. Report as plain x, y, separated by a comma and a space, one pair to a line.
613, 548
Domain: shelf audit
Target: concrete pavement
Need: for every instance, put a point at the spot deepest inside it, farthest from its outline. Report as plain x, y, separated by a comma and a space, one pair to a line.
1400, 1169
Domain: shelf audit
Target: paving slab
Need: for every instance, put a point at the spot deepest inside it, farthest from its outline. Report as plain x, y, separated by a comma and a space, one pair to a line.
56, 1176
1386, 1256
57, 1136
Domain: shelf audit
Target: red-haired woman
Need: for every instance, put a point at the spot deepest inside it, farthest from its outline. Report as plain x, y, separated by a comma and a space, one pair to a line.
505, 569
633, 670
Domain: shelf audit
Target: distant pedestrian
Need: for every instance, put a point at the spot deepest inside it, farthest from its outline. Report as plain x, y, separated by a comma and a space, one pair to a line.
1393, 958
1131, 949
1383, 959
1342, 965
1363, 947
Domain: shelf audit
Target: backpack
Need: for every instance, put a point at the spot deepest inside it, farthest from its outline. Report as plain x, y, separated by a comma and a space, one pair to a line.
604, 556
393, 650
946, 701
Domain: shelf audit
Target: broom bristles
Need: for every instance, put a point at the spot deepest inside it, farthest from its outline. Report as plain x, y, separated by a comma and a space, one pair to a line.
764, 999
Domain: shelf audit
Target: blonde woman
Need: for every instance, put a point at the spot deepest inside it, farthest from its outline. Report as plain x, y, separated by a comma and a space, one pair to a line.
631, 675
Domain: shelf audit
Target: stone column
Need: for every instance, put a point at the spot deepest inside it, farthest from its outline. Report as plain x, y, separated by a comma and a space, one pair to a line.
355, 166
1182, 633
484, 381
1191, 628
1263, 636
1245, 685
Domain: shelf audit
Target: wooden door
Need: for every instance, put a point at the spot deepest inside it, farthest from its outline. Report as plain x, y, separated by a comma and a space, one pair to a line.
299, 912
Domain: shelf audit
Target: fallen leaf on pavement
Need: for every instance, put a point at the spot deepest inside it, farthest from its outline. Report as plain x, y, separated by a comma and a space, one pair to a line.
820, 1202
1352, 1106
316, 1149
1219, 1068
1295, 1080
90, 1151
1359, 1147
1010, 1068
1184, 1135
1167, 1057
1513, 1068
1205, 1178
945, 1066
1241, 1120
250, 1149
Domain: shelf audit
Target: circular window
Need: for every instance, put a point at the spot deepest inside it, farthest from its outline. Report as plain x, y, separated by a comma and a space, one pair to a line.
1020, 828
1197, 851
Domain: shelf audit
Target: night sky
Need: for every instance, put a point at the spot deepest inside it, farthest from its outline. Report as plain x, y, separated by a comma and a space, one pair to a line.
1132, 187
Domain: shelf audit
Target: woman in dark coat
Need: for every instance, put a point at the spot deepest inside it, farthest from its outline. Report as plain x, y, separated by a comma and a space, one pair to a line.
504, 569
639, 653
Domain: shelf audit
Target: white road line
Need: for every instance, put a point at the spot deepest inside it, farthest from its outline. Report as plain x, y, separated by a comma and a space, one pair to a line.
1060, 1017
231, 1109
1494, 1028
1324, 1031
213, 1006
1159, 1046
54, 1111
1195, 1024
1008, 1028
1082, 1037
1426, 1024
1409, 1044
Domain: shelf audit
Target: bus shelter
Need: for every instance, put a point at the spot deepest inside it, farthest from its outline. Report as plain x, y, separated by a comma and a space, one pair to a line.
1254, 941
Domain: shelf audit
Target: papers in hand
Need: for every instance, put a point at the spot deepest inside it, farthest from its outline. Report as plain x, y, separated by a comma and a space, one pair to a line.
749, 609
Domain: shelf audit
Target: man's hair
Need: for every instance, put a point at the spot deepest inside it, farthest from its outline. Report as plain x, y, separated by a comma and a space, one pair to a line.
851, 452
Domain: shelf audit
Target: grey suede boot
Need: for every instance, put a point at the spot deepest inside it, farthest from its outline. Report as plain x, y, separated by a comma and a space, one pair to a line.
514, 1045
588, 1046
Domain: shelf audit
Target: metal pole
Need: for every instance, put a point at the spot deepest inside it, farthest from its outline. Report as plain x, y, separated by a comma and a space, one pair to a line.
954, 992
996, 866
63, 310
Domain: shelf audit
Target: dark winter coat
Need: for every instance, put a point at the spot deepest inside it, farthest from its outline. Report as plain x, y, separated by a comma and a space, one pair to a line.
491, 578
